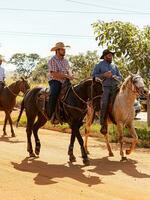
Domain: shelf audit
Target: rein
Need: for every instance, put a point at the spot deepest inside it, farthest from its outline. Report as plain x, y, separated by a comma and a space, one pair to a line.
11, 91
82, 110
78, 96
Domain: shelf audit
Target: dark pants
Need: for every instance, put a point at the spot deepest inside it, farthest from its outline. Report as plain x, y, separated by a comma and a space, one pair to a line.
107, 98
1, 86
55, 88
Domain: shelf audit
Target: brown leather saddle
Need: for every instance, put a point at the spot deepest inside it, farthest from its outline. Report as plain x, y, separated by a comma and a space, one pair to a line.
43, 98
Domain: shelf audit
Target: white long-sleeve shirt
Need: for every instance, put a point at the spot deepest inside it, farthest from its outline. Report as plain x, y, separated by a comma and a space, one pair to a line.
2, 74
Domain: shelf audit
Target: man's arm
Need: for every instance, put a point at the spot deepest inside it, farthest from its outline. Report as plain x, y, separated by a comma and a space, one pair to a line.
60, 76
97, 73
118, 75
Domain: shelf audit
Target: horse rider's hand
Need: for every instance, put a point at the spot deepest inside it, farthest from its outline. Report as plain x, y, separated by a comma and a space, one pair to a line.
116, 78
107, 74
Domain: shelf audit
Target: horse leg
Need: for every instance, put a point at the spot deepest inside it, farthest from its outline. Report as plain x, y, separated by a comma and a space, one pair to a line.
120, 134
133, 140
72, 158
4, 127
89, 120
108, 145
39, 123
80, 140
30, 122
10, 122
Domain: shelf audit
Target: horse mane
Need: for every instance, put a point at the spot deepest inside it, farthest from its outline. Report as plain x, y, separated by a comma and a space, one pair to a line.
125, 83
83, 81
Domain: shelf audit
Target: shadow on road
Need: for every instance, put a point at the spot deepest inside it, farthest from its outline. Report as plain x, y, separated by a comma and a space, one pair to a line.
46, 172
106, 167
10, 139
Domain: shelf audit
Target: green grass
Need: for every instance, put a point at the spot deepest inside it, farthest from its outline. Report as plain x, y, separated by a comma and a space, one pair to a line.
141, 128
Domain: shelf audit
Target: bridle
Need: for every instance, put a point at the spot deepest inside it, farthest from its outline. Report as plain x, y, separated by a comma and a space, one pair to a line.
136, 89
13, 93
91, 99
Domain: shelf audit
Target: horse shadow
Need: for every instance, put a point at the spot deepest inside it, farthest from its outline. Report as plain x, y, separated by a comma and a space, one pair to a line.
105, 166
45, 173
10, 139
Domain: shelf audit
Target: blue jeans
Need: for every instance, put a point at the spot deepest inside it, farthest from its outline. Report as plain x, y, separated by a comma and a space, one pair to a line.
55, 88
107, 97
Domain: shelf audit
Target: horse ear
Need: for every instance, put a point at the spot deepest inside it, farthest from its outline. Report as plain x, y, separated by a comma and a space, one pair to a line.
138, 72
22, 78
130, 73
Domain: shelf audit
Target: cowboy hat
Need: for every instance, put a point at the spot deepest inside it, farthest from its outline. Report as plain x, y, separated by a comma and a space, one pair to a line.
106, 52
59, 45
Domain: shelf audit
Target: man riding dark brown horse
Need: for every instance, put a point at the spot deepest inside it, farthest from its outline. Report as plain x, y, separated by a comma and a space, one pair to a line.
74, 105
58, 72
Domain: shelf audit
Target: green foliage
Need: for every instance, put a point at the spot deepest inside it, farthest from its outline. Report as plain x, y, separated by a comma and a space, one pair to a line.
82, 64
132, 45
24, 64
40, 73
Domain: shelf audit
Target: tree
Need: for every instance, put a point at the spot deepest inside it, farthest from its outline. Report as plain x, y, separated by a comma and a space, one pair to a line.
131, 44
83, 64
24, 63
40, 73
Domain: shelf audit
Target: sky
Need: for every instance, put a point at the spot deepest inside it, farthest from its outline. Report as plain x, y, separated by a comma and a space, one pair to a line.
34, 26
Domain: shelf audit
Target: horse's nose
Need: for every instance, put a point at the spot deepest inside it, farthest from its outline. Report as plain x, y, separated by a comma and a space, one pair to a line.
146, 92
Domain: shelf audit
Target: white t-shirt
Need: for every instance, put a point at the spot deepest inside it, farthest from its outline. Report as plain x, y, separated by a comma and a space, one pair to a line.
2, 73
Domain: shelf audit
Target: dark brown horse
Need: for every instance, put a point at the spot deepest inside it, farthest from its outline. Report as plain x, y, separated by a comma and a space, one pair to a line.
8, 100
74, 108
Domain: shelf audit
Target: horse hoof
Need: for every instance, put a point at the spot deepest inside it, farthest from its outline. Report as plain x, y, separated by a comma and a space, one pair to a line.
72, 159
128, 152
37, 151
32, 155
123, 159
13, 136
86, 162
111, 154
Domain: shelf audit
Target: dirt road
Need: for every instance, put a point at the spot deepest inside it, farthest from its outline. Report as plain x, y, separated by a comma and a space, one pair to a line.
51, 177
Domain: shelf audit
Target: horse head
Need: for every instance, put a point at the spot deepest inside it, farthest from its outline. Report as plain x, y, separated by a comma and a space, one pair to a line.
138, 84
23, 85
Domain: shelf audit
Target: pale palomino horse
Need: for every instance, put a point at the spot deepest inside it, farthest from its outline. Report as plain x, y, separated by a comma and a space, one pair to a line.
123, 113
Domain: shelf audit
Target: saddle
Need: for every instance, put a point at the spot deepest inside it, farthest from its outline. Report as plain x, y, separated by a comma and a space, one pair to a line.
43, 98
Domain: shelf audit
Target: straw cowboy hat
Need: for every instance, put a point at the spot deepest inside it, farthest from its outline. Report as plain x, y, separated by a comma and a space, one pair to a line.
106, 52
59, 45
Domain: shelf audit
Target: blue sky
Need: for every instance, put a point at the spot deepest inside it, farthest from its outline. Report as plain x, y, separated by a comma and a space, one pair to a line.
37, 25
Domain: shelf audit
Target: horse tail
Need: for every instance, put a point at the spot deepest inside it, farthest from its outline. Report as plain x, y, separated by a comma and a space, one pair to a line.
21, 111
